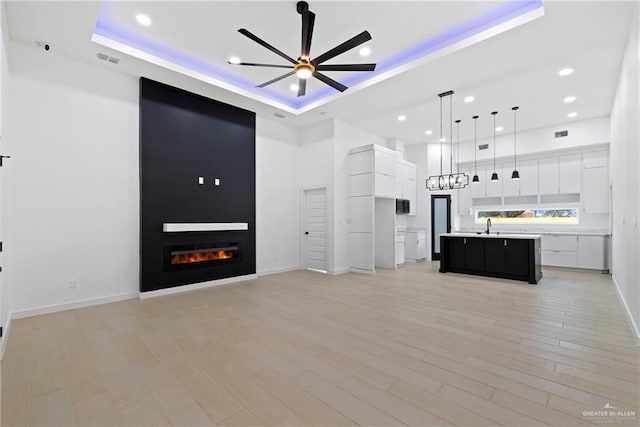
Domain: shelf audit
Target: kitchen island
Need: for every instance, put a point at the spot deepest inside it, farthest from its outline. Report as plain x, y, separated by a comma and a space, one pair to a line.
507, 256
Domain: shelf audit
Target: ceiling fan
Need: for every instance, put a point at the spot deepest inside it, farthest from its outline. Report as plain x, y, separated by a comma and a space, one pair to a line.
305, 67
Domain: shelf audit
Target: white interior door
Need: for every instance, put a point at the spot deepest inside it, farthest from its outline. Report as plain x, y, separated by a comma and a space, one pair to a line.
315, 229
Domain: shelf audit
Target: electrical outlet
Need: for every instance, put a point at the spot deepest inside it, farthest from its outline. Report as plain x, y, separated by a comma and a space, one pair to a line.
73, 284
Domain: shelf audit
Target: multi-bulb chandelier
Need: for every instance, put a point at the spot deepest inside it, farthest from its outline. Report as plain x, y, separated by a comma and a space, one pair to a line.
452, 181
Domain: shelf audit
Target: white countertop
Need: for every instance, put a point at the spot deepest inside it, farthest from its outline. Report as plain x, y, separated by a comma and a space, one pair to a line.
494, 235
553, 233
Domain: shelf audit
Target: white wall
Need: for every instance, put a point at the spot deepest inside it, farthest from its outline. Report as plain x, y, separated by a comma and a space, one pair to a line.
4, 77
625, 182
315, 170
72, 207
582, 133
277, 197
71, 210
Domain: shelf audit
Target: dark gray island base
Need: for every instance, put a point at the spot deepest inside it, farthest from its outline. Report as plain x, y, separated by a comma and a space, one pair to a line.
515, 256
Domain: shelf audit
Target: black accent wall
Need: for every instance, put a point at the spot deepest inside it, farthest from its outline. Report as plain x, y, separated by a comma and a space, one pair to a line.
184, 136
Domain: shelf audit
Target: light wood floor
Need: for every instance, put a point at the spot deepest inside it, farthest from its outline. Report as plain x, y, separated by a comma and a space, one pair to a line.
409, 347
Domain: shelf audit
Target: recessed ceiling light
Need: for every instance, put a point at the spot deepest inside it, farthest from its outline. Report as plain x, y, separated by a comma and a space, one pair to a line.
365, 51
143, 19
469, 99
499, 129
234, 60
428, 132
572, 114
565, 72
294, 88
569, 99
402, 118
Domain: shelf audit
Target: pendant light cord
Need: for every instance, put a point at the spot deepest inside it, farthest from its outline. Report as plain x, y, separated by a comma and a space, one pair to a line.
451, 134
475, 144
515, 109
440, 136
458, 146
494, 140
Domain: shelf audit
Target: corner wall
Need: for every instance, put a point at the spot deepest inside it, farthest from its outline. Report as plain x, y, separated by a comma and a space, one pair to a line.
71, 209
625, 178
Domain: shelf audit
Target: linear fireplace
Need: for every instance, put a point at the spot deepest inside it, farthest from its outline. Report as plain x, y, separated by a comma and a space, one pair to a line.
201, 255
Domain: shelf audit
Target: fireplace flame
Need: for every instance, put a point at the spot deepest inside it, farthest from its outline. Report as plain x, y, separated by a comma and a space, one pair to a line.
200, 257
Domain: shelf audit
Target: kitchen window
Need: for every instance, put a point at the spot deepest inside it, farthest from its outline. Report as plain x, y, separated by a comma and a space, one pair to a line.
560, 216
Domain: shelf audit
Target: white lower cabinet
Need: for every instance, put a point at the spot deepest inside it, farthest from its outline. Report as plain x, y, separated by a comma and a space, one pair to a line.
399, 249
592, 252
415, 246
576, 251
559, 250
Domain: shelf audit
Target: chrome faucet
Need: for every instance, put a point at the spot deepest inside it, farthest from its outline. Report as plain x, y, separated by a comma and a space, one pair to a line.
488, 225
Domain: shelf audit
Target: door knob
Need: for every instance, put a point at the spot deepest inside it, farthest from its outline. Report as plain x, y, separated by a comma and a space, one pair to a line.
306, 232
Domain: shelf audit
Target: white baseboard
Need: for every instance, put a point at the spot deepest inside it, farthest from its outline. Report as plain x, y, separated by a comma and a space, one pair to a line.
195, 286
632, 324
279, 270
19, 314
5, 336
362, 271
339, 272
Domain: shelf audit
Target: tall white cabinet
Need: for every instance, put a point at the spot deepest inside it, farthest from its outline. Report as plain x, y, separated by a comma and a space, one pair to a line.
376, 179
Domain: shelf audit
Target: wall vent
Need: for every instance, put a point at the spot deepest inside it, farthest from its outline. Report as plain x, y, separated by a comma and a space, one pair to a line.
483, 147
562, 134
107, 58
279, 115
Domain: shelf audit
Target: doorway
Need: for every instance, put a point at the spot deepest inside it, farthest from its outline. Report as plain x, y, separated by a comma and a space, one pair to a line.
440, 221
314, 249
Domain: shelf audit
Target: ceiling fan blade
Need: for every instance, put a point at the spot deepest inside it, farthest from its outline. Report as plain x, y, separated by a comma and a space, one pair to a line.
267, 45
343, 47
276, 79
308, 19
302, 87
346, 67
252, 64
327, 80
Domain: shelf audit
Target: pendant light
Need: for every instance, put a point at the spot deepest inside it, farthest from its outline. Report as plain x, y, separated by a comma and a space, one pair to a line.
458, 177
494, 175
515, 174
452, 181
475, 150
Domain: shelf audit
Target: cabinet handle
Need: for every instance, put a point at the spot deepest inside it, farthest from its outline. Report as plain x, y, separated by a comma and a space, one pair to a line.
505, 242
465, 240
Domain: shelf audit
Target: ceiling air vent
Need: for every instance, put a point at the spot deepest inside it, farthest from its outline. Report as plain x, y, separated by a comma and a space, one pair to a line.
562, 134
483, 147
107, 58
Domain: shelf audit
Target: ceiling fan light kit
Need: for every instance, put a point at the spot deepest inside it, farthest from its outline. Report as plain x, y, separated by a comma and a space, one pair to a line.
305, 66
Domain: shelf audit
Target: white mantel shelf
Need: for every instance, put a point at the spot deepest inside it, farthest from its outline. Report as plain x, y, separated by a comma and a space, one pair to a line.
203, 226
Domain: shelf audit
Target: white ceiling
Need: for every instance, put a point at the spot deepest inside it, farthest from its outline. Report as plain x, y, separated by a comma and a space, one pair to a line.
515, 67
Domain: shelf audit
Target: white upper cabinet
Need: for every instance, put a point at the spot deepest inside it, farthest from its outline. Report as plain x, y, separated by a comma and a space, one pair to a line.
361, 162
569, 173
385, 163
464, 196
478, 189
494, 188
406, 187
548, 175
510, 187
528, 177
595, 178
560, 174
